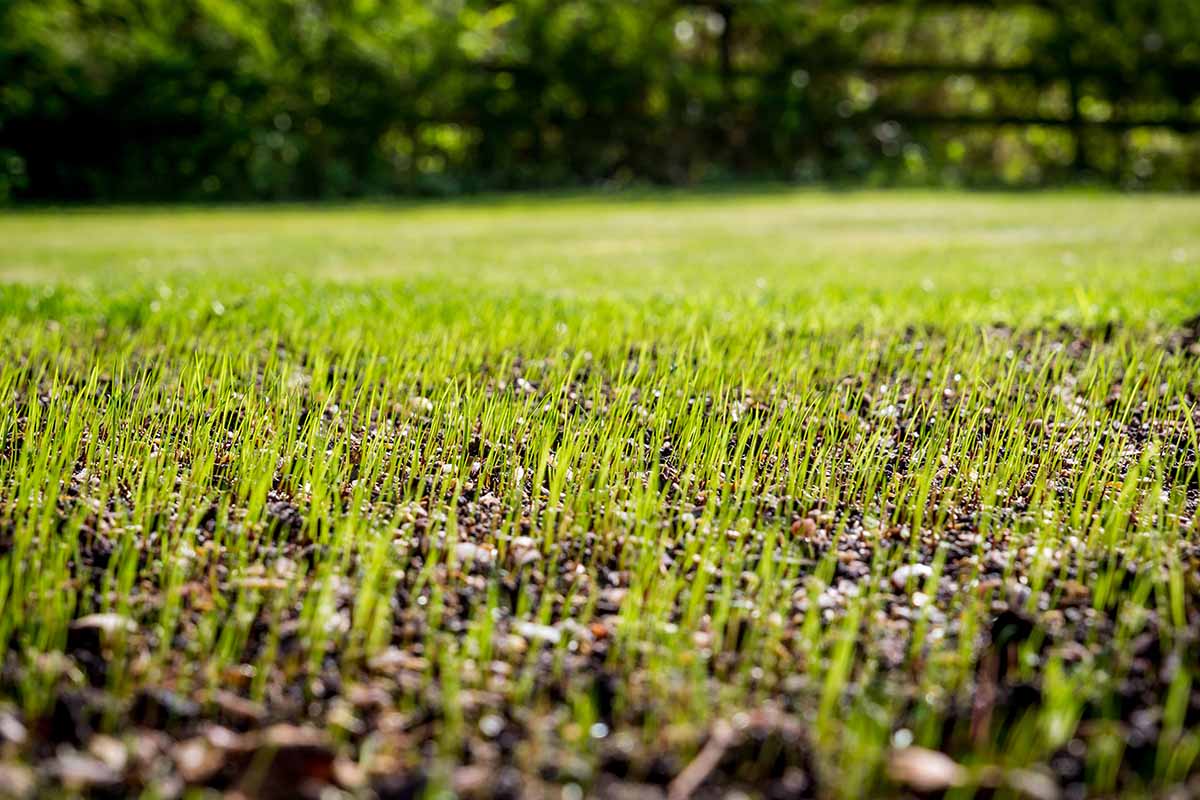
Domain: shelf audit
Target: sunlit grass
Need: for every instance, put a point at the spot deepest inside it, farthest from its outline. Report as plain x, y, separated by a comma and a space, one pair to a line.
639, 464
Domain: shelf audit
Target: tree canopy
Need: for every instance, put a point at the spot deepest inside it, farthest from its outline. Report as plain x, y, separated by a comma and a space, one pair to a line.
262, 99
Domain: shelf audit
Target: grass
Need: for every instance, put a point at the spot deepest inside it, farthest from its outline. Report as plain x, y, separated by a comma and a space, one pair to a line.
778, 493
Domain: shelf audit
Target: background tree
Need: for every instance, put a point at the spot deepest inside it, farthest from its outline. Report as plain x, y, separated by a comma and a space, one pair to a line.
152, 99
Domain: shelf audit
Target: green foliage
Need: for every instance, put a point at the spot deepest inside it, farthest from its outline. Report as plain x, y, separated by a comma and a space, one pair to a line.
315, 98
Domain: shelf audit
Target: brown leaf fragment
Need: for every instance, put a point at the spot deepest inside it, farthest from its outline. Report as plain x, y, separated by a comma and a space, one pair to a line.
238, 709
925, 770
16, 781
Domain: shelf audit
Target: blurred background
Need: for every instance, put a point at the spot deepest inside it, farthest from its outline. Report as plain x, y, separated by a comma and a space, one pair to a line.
138, 100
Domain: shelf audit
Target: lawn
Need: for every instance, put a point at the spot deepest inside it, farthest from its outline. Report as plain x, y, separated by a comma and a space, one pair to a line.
785, 493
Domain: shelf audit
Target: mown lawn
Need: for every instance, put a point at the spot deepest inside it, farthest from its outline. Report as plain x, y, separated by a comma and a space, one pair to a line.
790, 494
